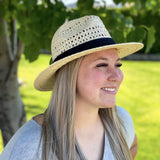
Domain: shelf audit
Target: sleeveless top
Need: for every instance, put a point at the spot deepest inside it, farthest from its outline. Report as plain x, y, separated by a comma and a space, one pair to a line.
25, 143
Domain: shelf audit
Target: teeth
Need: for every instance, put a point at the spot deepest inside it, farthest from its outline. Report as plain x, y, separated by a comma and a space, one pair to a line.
109, 89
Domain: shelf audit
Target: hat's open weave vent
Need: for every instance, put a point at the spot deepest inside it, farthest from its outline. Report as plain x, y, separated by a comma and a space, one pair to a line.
69, 36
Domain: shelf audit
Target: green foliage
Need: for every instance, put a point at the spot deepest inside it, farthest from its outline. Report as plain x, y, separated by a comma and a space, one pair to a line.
145, 24
85, 5
153, 4
136, 34
50, 61
31, 52
36, 23
83, 8
41, 22
150, 38
118, 36
38, 20
2, 9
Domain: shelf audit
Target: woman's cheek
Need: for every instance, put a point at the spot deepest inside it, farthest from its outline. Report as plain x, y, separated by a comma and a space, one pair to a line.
121, 76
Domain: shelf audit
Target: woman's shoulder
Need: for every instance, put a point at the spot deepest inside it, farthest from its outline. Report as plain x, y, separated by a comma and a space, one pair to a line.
129, 131
24, 143
124, 114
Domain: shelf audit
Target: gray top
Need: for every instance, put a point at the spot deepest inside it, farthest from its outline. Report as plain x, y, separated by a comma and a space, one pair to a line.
24, 144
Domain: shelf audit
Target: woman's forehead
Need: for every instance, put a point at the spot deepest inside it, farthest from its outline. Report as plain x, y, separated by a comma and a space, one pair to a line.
104, 55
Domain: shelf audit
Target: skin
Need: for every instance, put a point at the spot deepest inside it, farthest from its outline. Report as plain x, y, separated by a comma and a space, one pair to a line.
98, 81
98, 71
133, 148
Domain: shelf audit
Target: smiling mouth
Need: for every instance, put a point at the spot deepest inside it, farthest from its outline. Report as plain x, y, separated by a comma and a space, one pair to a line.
111, 90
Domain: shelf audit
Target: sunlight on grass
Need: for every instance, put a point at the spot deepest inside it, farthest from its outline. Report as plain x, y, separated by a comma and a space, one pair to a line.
139, 94
35, 101
1, 142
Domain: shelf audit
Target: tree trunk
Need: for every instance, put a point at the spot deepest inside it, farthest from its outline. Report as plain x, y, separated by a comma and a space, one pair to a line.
12, 114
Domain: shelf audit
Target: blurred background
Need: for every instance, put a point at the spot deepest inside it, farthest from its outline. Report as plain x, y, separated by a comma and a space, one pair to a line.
26, 30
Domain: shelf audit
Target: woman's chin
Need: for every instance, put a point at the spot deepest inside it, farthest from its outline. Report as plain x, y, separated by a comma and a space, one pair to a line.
109, 105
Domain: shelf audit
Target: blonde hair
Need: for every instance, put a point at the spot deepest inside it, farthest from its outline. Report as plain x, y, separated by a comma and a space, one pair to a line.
58, 130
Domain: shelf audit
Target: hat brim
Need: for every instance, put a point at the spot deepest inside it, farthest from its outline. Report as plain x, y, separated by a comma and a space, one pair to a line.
45, 80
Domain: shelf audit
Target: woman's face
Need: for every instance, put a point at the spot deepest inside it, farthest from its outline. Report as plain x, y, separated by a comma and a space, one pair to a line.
99, 78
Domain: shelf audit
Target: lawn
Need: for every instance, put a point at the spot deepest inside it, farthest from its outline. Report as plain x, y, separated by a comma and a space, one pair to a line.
139, 94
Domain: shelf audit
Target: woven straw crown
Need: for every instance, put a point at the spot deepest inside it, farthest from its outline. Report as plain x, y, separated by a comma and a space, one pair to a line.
79, 31
78, 38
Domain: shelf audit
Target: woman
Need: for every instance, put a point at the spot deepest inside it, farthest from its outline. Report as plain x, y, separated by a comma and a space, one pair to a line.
82, 120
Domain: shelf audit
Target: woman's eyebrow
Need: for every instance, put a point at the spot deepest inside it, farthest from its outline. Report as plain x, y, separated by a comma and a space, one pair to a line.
118, 59
102, 58
106, 59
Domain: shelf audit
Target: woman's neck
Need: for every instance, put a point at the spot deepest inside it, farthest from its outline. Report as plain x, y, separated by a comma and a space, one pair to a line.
87, 117
89, 131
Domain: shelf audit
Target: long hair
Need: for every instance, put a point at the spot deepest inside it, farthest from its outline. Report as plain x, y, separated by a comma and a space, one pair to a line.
58, 129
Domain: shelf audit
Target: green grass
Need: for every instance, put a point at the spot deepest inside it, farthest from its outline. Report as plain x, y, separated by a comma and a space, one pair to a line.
139, 94
35, 101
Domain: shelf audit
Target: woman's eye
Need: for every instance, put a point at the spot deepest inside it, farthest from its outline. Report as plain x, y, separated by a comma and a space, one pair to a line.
119, 65
102, 65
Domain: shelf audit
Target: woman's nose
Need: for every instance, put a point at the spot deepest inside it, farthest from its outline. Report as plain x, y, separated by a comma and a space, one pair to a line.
113, 74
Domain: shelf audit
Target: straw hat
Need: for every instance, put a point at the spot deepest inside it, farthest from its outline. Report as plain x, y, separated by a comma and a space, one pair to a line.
78, 38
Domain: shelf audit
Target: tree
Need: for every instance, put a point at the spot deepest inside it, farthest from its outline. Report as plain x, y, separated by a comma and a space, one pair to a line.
22, 23
12, 113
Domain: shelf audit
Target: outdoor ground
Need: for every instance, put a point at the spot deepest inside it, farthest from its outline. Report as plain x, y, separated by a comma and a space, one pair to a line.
139, 94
